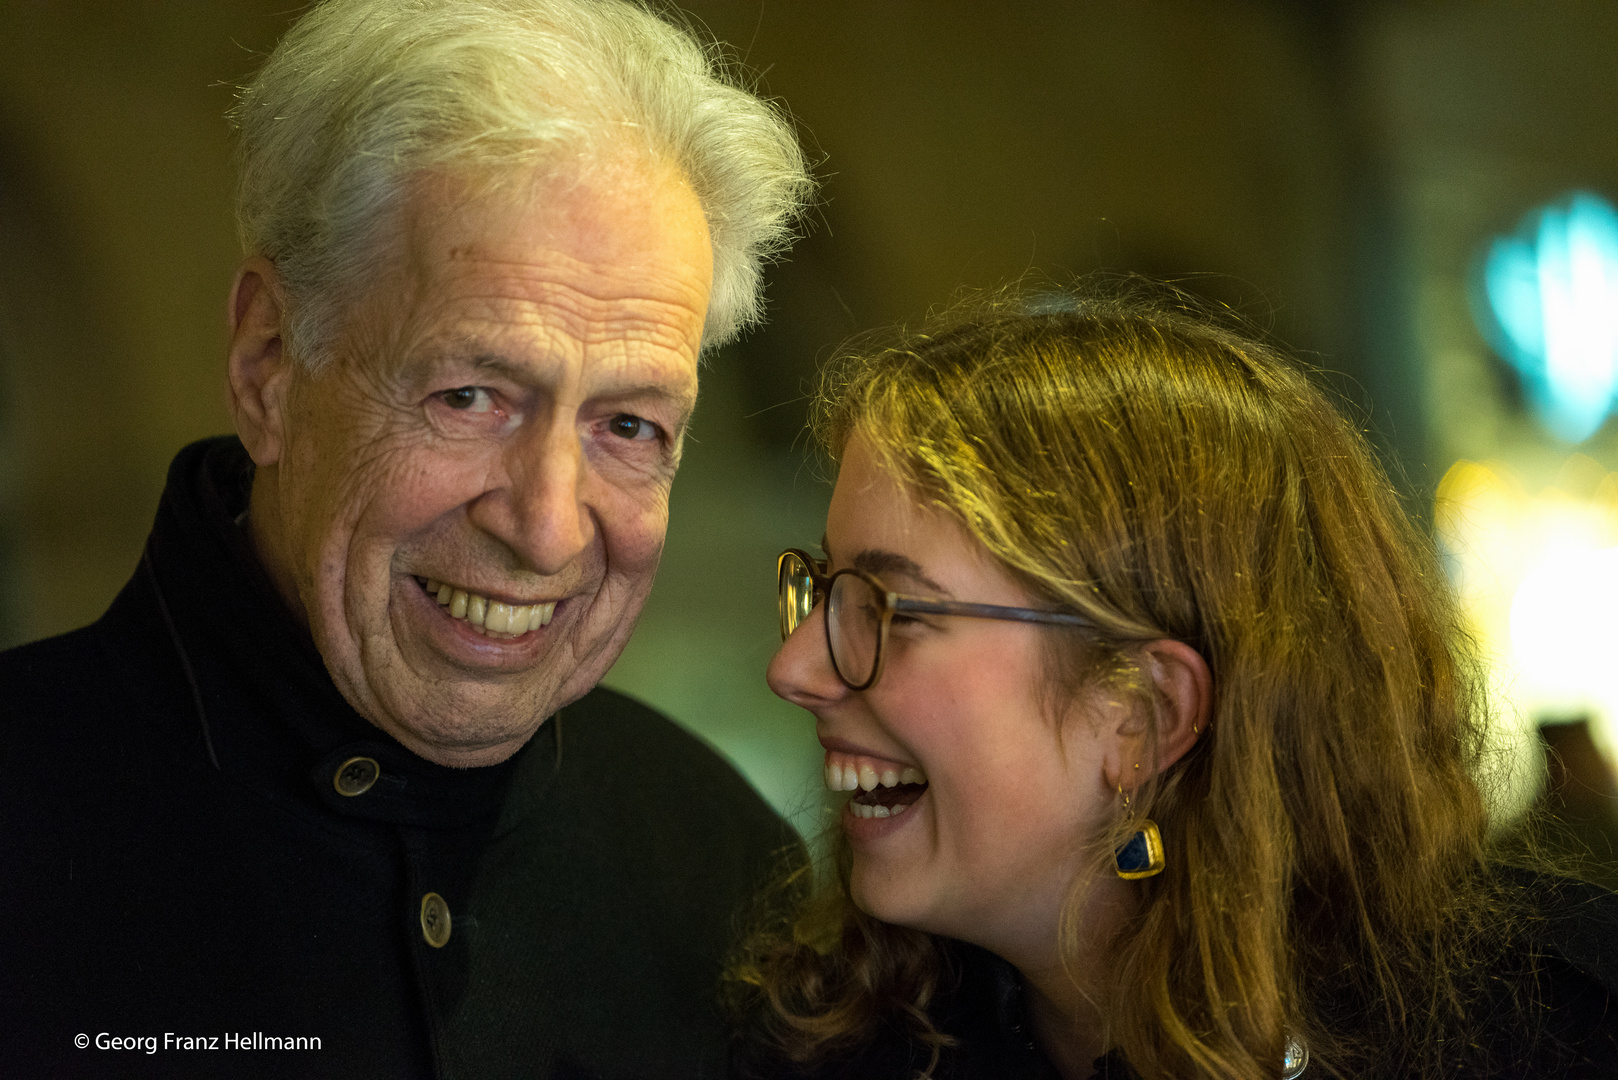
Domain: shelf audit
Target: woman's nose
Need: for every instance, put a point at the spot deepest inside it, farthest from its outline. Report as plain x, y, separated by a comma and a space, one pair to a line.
801, 670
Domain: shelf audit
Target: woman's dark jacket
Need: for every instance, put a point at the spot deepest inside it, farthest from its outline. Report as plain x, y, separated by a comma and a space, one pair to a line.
1572, 1034
164, 880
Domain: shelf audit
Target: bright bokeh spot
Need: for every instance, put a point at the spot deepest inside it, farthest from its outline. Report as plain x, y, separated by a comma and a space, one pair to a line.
1564, 632
1536, 574
1551, 309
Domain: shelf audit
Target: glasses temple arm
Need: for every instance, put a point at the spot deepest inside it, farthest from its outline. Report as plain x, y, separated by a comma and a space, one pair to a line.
986, 611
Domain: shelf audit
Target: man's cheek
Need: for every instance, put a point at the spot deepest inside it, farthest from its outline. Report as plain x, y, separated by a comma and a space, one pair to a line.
411, 494
636, 524
635, 552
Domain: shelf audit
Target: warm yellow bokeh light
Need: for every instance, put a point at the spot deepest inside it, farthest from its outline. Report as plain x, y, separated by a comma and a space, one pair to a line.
1537, 578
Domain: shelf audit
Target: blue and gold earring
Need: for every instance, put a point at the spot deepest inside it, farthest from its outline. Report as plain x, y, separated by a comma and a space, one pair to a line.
1141, 856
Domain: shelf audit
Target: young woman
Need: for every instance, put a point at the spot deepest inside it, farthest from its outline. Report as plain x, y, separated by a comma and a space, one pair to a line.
1160, 761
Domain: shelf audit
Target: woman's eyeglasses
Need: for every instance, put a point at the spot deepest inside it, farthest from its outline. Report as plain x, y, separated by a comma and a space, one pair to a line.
859, 610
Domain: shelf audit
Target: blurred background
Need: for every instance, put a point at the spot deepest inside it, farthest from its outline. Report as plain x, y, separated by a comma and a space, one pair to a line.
1416, 197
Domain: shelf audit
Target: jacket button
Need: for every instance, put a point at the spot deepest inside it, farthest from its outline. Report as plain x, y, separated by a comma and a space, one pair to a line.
355, 776
434, 920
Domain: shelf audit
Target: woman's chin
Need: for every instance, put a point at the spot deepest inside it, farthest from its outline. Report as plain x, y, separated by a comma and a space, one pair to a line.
895, 891
883, 898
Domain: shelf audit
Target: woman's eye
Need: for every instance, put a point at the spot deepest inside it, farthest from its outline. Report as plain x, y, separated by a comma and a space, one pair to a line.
626, 426
468, 398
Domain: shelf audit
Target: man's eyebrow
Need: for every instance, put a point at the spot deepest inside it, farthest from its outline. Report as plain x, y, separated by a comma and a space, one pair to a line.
877, 562
484, 361
685, 397
444, 352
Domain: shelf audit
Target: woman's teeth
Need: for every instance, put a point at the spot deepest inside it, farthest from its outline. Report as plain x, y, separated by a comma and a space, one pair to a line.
883, 790
866, 810
864, 777
490, 617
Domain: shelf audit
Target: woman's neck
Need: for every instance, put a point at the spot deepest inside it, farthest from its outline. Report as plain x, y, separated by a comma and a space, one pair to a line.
1067, 1023
1065, 999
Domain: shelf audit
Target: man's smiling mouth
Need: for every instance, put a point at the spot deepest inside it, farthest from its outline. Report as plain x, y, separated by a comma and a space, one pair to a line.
490, 618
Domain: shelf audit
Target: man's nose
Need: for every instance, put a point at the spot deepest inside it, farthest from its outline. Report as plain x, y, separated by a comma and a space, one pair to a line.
537, 506
801, 669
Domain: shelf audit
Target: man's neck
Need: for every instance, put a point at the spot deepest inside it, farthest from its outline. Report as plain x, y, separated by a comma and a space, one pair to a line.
265, 533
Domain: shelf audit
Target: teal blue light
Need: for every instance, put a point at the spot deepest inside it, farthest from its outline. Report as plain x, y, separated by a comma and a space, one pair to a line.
1551, 309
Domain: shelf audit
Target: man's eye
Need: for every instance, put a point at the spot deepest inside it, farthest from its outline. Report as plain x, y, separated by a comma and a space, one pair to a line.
469, 398
626, 426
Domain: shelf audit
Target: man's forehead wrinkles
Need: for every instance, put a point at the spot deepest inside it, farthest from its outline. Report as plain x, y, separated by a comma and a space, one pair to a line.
566, 313
549, 300
647, 364
494, 346
546, 271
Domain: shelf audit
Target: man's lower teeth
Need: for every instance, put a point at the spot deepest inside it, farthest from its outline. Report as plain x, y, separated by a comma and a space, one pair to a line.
867, 811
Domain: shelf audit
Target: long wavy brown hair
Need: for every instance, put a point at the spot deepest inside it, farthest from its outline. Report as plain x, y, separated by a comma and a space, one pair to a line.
1131, 458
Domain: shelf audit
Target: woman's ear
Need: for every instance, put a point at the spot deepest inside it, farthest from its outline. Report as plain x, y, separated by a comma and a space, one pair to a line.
259, 368
1182, 695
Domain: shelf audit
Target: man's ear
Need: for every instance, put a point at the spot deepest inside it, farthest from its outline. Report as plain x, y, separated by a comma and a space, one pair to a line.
259, 368
1182, 695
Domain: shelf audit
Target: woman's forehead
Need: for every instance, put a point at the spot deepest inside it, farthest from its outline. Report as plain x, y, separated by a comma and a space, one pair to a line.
882, 526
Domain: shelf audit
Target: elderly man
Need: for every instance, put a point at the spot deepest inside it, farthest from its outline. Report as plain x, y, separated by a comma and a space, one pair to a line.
327, 791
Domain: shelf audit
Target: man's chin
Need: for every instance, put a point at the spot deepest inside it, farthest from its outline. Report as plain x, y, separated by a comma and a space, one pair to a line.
460, 710
454, 720
471, 739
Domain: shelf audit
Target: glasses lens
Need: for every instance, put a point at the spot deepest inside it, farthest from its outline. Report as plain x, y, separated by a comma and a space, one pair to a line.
797, 593
853, 626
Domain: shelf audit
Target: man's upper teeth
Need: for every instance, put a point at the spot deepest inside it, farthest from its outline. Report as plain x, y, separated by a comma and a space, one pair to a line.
490, 615
853, 775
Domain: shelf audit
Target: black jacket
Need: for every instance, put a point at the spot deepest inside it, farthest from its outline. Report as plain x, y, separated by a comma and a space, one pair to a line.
1571, 948
167, 877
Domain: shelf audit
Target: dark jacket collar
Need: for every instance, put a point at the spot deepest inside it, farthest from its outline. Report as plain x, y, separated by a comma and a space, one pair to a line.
1577, 924
270, 713
1012, 1032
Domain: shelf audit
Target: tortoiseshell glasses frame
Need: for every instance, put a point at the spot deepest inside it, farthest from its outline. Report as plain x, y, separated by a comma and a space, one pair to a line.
859, 610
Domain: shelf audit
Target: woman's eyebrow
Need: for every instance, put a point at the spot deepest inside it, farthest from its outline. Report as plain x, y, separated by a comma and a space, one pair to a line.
877, 561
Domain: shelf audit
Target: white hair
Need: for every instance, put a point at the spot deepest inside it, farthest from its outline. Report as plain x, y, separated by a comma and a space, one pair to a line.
362, 95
